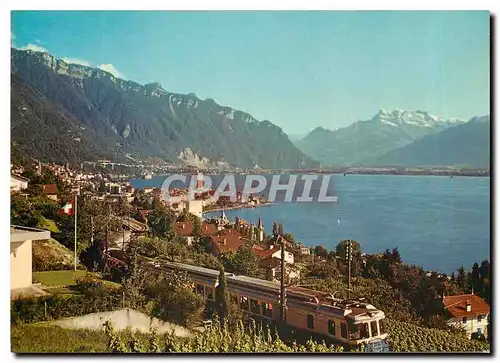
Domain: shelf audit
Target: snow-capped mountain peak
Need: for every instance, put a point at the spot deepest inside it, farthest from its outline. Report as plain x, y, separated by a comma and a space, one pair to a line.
418, 118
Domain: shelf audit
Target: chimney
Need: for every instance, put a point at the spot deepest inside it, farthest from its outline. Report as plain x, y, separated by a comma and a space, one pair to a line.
224, 242
468, 306
183, 225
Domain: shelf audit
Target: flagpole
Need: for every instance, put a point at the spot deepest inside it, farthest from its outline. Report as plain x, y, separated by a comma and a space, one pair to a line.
76, 211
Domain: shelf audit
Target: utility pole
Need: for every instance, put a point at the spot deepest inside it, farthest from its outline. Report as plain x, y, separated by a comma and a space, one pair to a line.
123, 234
91, 230
349, 258
282, 287
107, 228
76, 226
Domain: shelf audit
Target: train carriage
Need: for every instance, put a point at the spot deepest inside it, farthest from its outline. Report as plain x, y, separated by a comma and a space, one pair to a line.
317, 313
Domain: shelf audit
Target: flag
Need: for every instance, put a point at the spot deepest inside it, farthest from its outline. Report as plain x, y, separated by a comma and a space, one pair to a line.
67, 209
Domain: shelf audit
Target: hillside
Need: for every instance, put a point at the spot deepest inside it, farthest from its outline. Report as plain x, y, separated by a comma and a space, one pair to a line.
466, 145
146, 120
387, 130
45, 131
51, 255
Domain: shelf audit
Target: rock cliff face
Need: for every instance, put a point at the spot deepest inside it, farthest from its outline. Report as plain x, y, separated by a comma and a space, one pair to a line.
146, 120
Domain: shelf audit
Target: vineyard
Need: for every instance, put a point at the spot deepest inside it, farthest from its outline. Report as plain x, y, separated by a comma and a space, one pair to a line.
216, 339
406, 337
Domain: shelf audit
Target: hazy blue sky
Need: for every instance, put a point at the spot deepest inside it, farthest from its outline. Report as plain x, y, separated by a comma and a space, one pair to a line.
297, 69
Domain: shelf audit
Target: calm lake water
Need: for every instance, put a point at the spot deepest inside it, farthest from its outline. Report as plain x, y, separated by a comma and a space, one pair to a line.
439, 223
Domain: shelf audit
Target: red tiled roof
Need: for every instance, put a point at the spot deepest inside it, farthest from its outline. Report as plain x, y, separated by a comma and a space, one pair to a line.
184, 229
50, 189
229, 232
208, 229
457, 305
226, 243
265, 253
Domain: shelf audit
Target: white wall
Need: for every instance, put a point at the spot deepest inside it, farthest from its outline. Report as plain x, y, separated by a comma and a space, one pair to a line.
289, 258
17, 185
121, 320
20, 265
195, 207
471, 325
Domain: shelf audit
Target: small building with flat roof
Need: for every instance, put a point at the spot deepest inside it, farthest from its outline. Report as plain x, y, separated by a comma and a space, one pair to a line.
21, 275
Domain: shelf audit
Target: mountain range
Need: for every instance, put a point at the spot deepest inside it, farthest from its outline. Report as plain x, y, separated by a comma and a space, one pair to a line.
402, 138
66, 112
466, 145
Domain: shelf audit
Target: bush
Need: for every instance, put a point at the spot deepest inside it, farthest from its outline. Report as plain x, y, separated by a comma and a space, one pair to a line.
62, 306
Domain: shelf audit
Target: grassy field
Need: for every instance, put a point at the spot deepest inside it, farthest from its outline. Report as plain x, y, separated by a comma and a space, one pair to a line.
63, 280
58, 278
41, 338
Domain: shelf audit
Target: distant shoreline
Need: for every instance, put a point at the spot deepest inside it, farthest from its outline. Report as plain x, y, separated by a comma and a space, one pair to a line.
238, 207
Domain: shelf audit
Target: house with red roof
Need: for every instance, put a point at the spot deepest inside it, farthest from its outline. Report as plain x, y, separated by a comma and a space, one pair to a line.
226, 244
469, 312
273, 252
208, 229
50, 190
186, 230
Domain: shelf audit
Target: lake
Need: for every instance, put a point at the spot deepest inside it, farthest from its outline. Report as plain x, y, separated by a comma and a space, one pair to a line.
439, 223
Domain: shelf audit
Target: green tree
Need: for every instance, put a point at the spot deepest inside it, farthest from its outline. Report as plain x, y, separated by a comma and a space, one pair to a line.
242, 262
134, 285
275, 229
484, 272
221, 295
462, 279
160, 222
22, 212
174, 299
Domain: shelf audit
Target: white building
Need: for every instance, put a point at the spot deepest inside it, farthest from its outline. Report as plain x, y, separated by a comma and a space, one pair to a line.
469, 312
21, 275
18, 183
195, 207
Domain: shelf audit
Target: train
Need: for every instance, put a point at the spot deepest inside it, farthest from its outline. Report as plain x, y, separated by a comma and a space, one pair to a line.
348, 322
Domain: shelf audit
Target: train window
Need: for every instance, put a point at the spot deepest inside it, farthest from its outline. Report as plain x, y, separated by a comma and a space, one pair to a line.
381, 326
210, 293
310, 321
331, 327
363, 331
374, 328
199, 289
244, 303
343, 330
254, 306
267, 310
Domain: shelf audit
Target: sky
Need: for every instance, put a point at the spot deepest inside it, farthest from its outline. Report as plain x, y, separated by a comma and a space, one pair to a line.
299, 70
